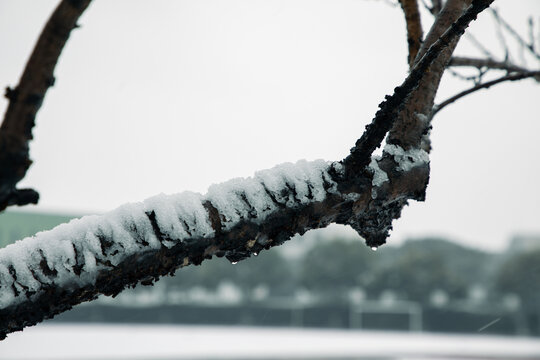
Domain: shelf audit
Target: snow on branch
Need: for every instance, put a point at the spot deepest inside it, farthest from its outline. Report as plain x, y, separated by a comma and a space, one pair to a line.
49, 273
73, 254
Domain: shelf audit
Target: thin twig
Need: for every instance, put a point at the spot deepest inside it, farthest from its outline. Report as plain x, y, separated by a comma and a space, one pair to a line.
516, 36
500, 36
479, 45
456, 74
538, 34
513, 77
484, 63
531, 33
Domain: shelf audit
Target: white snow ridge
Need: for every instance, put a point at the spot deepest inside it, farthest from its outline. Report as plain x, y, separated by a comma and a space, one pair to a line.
71, 254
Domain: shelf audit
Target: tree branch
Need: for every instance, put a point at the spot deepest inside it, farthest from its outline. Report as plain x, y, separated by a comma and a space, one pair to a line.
26, 99
53, 271
414, 28
486, 85
517, 37
484, 63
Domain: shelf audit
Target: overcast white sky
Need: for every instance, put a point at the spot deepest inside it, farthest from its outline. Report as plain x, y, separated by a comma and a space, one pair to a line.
167, 96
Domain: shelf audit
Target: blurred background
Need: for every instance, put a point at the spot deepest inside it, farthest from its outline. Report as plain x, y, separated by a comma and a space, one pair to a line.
326, 280
167, 96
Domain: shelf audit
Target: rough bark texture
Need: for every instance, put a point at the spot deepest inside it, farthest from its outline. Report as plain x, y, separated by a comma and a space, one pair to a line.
412, 126
357, 199
26, 99
414, 28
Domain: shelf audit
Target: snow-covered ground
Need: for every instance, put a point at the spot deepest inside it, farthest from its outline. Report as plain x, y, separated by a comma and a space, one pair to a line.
195, 342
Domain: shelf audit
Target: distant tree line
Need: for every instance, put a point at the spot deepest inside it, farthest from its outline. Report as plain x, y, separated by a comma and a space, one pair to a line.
427, 271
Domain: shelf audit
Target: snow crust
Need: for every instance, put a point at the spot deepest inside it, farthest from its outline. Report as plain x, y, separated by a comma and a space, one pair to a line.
379, 176
407, 159
422, 117
75, 247
286, 184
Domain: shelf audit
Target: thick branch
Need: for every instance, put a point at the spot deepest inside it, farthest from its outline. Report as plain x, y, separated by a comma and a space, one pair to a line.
413, 125
414, 28
26, 99
75, 262
53, 271
486, 85
448, 14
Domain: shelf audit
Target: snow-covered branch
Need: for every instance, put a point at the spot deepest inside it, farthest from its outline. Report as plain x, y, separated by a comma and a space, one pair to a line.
75, 262
49, 273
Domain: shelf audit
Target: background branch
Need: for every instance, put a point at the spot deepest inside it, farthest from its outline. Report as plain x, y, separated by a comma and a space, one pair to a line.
486, 85
530, 47
26, 99
484, 63
479, 46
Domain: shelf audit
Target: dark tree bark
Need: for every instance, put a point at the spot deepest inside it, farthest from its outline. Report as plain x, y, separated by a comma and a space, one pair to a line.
26, 99
414, 28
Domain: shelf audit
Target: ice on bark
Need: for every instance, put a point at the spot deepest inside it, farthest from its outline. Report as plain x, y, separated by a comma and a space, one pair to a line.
407, 159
